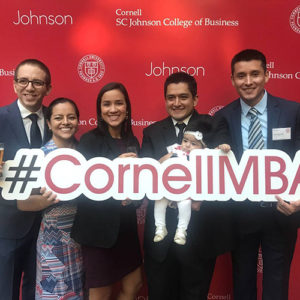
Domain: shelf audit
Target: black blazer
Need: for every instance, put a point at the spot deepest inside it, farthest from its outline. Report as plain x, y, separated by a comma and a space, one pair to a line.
210, 230
281, 114
14, 224
97, 223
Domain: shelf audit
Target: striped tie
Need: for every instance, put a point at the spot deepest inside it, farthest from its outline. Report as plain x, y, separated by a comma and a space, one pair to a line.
255, 137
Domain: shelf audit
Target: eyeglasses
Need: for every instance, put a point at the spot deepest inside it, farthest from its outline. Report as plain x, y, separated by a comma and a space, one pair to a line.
23, 82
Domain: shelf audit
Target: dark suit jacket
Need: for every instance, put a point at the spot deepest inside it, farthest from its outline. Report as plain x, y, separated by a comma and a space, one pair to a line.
281, 114
97, 223
14, 224
209, 232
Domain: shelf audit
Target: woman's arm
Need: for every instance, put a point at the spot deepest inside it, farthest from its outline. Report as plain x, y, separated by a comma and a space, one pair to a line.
38, 202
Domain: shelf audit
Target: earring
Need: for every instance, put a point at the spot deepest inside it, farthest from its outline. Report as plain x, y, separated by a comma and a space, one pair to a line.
126, 117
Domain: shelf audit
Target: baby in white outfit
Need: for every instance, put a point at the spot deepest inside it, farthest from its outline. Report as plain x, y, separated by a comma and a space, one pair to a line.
192, 139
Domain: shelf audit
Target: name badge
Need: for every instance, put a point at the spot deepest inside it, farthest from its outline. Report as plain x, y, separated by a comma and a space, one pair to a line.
281, 134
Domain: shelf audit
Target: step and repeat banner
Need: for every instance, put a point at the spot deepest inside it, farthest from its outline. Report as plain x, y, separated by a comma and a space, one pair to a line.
87, 44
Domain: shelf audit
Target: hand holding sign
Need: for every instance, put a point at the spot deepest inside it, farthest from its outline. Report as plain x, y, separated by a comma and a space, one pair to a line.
39, 201
287, 208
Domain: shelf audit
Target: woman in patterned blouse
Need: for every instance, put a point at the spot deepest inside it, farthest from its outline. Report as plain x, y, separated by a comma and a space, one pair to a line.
59, 261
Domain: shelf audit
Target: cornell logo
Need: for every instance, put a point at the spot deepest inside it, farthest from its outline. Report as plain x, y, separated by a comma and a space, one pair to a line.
91, 68
295, 19
213, 110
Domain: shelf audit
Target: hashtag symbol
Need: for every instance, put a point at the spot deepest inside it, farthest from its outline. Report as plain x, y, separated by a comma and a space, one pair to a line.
18, 173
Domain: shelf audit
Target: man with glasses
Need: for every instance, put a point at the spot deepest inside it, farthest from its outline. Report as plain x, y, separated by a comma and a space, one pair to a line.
22, 125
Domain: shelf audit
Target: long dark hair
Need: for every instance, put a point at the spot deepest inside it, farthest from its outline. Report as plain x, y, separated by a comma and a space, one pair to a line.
126, 130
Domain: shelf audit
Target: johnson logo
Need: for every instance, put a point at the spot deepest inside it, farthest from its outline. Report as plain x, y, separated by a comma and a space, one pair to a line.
295, 19
91, 68
42, 19
166, 70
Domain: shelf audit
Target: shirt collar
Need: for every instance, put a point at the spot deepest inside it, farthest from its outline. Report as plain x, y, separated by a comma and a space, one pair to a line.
260, 106
25, 112
185, 121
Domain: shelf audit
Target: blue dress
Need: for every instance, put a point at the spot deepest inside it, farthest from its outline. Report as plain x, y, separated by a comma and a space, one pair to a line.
59, 260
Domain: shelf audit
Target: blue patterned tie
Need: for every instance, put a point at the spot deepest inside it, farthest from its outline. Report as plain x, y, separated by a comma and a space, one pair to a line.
255, 137
35, 133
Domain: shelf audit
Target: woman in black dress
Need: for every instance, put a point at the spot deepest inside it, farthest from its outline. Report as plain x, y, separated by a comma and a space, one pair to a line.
107, 230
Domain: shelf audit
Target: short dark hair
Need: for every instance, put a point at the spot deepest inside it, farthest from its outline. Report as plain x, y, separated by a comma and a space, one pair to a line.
34, 62
203, 125
126, 129
247, 55
58, 101
182, 77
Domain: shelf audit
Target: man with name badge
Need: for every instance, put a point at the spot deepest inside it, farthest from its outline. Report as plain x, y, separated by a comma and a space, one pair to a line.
22, 125
258, 120
183, 271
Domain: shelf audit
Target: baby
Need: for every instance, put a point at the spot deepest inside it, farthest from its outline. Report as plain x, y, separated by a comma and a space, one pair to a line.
193, 137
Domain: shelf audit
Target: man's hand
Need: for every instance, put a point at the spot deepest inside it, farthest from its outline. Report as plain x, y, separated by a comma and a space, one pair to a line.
126, 202
196, 205
287, 208
128, 154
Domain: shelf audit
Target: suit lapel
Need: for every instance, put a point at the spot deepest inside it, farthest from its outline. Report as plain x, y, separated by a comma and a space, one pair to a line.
168, 132
273, 118
195, 116
235, 121
17, 125
47, 132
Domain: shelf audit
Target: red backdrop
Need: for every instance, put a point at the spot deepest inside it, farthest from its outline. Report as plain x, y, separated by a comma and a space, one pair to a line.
87, 44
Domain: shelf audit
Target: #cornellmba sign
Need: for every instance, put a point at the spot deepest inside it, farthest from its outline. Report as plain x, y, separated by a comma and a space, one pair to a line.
208, 175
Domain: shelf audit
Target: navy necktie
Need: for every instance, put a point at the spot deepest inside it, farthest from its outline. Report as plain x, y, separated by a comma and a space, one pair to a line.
255, 137
181, 127
35, 133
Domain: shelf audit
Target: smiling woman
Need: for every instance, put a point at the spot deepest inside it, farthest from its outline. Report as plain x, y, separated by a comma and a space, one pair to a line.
114, 111
56, 250
108, 229
63, 122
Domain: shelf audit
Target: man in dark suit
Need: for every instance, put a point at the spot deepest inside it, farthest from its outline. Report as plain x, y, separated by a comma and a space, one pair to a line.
258, 120
22, 125
174, 271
